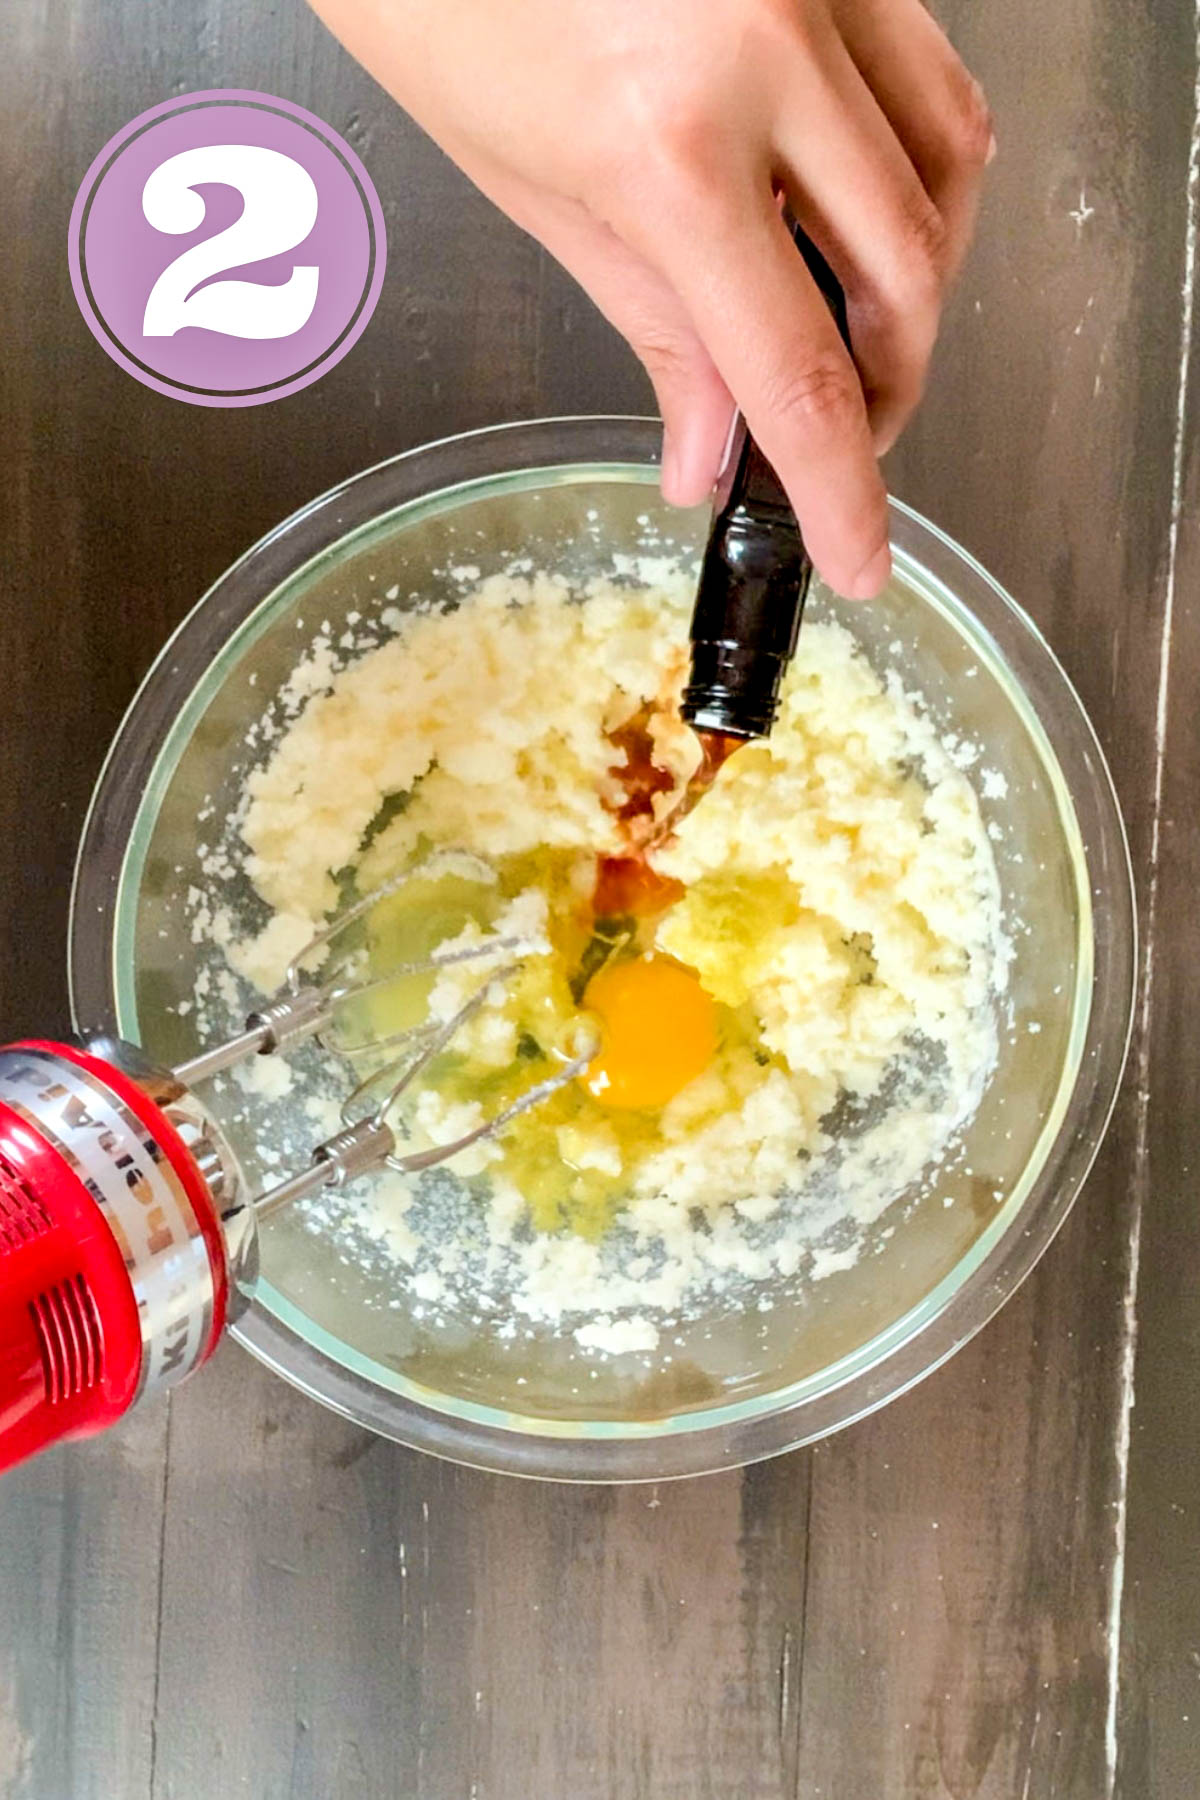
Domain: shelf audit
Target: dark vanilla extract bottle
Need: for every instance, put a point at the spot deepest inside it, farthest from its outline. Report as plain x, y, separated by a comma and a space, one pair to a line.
753, 585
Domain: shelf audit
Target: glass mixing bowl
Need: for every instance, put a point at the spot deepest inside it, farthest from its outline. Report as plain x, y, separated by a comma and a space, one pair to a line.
740, 1383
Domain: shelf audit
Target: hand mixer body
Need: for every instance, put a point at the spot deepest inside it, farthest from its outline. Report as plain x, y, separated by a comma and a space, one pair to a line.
115, 1261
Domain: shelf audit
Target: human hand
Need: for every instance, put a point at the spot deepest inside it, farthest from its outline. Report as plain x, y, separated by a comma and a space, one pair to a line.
645, 144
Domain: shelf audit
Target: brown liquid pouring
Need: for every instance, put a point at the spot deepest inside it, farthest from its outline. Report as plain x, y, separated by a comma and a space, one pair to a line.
716, 748
626, 884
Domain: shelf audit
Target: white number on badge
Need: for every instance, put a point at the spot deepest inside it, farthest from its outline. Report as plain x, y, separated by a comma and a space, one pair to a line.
280, 210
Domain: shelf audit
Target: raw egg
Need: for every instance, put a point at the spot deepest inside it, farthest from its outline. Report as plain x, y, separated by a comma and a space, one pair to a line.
658, 1031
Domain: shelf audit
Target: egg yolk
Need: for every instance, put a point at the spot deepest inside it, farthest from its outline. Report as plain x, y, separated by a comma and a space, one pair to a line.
658, 1031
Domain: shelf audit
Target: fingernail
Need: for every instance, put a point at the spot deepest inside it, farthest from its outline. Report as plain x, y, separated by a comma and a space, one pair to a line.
735, 420
991, 149
687, 463
873, 577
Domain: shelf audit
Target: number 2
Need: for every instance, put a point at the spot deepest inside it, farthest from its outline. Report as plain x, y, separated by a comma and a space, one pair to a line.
280, 210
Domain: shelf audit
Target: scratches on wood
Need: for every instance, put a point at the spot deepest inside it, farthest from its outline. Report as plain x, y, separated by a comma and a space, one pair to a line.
16, 1747
79, 1535
1144, 1042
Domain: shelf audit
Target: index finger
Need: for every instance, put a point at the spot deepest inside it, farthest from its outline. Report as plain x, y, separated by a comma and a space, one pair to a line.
764, 323
932, 103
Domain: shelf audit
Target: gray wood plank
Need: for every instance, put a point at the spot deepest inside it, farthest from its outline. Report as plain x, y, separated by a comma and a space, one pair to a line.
80, 1530
961, 1560
1160, 1645
80, 1556
964, 1554
645, 1645
342, 1617
1159, 1722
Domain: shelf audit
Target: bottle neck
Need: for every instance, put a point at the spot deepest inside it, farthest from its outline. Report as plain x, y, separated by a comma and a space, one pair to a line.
754, 580
753, 585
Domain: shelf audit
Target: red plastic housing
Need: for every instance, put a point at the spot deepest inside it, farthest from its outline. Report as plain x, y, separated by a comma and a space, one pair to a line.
71, 1339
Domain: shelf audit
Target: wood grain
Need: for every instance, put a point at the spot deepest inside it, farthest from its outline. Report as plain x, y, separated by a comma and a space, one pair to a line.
988, 1506
245, 1594
400, 1621
80, 1563
1159, 1720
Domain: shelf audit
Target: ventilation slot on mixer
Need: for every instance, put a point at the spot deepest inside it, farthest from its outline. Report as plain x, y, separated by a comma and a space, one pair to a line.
68, 1329
22, 1215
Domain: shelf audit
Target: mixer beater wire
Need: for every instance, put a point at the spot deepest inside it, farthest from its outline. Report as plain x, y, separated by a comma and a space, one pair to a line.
305, 1010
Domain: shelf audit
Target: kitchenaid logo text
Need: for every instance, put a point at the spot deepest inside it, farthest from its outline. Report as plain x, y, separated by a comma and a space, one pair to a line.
76, 1117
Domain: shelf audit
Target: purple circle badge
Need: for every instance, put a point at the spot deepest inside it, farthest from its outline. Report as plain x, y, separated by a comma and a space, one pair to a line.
227, 248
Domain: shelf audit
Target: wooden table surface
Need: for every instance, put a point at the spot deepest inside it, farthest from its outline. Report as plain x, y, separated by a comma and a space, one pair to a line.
991, 1590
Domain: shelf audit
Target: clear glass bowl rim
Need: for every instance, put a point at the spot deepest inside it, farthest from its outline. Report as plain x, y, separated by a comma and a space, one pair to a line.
741, 1431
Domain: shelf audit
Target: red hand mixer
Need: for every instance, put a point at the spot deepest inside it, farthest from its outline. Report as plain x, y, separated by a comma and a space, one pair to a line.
128, 1233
